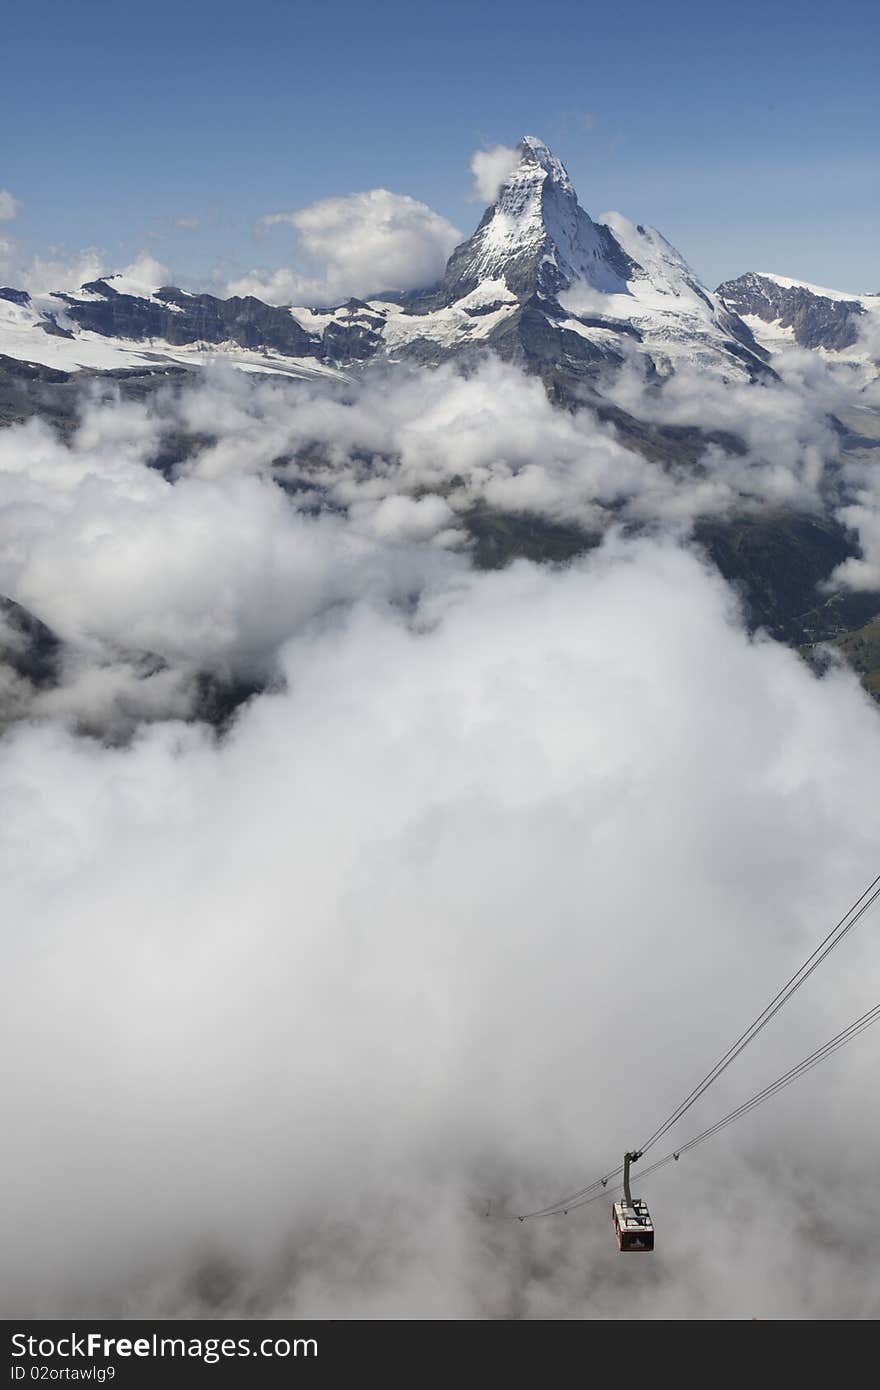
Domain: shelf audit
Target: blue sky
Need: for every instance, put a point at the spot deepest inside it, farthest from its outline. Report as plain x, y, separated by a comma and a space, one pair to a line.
748, 133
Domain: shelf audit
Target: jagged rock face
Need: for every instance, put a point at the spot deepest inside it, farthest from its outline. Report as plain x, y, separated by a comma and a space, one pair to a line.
12, 296
537, 238
179, 318
354, 334
817, 320
27, 646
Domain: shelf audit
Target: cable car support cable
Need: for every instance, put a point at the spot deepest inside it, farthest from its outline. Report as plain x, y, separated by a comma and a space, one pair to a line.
856, 912
773, 1088
860, 907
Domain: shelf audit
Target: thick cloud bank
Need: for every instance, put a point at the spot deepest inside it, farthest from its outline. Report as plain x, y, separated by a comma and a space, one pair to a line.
459, 914
458, 907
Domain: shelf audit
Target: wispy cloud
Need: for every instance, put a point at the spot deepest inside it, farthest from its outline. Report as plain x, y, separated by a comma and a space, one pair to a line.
490, 168
9, 207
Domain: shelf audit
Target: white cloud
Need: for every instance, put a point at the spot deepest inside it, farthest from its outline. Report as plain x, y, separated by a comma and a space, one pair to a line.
61, 271
9, 207
302, 999
490, 168
406, 454
399, 892
187, 224
282, 286
868, 329
144, 275
212, 573
357, 245
55, 271
863, 516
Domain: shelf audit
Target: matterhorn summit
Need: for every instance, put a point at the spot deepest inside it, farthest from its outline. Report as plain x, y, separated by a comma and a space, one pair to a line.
586, 294
537, 237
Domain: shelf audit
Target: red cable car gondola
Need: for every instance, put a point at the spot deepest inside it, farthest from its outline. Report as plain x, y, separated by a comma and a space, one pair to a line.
633, 1225
632, 1220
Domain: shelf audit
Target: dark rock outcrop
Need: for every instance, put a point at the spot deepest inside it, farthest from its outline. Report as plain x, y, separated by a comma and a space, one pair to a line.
180, 319
816, 320
28, 645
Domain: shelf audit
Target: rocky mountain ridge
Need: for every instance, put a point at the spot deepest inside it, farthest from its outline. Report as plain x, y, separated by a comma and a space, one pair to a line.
539, 283
777, 309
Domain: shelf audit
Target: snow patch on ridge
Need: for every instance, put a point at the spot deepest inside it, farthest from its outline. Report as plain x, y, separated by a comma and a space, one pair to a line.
869, 301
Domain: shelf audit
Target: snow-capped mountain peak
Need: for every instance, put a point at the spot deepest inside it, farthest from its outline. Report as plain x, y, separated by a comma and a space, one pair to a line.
539, 282
533, 151
781, 311
536, 236
609, 283
655, 258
